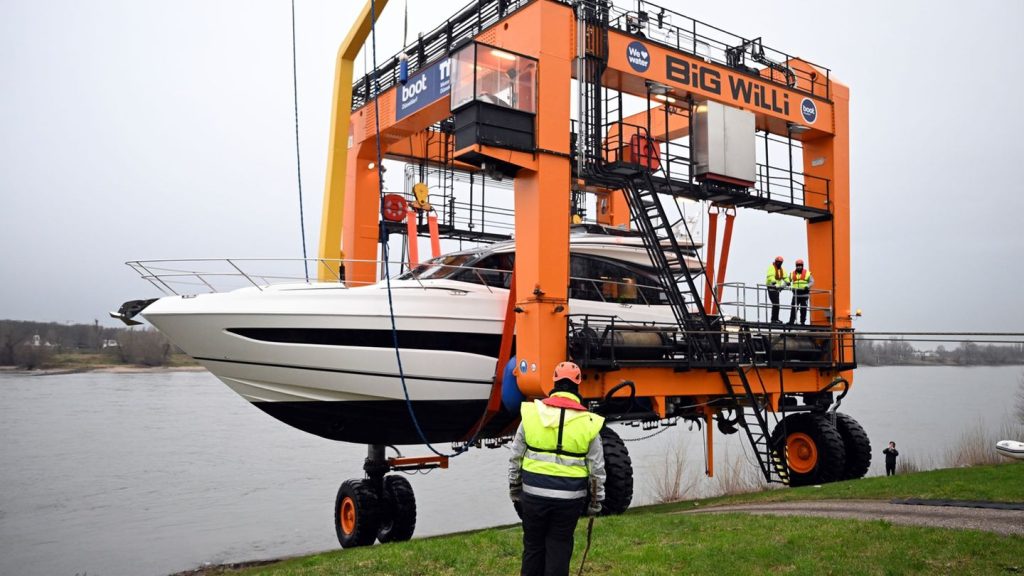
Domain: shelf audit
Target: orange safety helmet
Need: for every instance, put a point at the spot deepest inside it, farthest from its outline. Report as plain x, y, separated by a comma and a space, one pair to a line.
568, 371
778, 259
799, 262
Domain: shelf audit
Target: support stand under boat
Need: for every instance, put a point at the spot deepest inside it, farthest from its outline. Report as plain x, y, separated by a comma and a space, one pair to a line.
380, 506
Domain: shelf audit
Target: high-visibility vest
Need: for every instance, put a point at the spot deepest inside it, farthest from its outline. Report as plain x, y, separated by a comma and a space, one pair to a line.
775, 276
800, 280
557, 441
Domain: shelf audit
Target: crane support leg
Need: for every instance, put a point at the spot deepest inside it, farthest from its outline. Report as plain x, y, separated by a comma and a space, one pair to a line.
338, 146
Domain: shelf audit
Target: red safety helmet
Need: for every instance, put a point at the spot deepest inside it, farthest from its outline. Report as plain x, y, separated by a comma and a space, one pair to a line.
778, 259
568, 371
799, 262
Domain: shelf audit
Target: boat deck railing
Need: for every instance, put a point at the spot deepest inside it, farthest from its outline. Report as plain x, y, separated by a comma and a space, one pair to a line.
213, 275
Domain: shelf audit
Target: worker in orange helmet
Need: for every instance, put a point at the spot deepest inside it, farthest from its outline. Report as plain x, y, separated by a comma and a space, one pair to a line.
775, 280
801, 282
556, 456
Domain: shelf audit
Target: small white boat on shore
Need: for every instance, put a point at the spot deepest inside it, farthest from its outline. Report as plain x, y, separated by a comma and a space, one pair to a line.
1010, 449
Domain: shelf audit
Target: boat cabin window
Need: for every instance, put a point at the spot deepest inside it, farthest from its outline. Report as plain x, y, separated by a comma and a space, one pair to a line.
440, 267
494, 270
604, 281
590, 278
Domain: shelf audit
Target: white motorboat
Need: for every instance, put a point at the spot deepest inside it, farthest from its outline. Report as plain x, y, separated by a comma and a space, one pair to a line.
321, 356
1010, 449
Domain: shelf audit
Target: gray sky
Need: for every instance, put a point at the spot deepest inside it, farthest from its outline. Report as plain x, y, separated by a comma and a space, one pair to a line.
143, 129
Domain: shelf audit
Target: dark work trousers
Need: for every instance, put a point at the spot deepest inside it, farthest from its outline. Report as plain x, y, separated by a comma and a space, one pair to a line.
800, 298
890, 468
548, 527
773, 295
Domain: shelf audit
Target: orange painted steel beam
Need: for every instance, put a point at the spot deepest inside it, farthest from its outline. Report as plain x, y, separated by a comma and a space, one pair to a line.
413, 462
664, 381
687, 75
675, 127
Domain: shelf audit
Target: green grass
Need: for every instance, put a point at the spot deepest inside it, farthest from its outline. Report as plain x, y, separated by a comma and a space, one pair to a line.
993, 483
653, 541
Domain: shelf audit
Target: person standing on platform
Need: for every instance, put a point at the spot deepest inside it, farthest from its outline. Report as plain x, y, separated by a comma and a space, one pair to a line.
775, 279
556, 456
890, 459
800, 281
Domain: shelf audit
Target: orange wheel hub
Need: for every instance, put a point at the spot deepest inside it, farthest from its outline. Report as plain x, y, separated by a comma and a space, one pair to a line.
801, 452
348, 515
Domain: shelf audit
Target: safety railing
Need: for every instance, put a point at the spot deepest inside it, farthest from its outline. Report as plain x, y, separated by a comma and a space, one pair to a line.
712, 44
655, 23
751, 303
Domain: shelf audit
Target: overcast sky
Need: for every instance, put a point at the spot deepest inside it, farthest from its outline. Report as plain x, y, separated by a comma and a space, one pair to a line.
142, 129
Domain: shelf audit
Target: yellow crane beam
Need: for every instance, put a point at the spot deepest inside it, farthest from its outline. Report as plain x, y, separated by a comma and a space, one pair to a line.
337, 148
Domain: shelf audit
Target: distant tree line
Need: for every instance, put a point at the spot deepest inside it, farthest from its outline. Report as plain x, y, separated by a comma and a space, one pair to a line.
33, 345
897, 351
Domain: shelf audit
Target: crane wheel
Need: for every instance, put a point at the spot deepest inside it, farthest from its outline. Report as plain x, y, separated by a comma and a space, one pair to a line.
814, 450
857, 444
356, 514
398, 511
618, 486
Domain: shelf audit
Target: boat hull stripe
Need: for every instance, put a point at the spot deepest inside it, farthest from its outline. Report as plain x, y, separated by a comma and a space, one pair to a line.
470, 343
342, 371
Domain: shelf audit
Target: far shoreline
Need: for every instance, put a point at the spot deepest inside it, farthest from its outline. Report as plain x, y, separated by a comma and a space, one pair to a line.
101, 369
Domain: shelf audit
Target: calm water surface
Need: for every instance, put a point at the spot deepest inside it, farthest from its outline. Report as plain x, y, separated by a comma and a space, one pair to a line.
139, 474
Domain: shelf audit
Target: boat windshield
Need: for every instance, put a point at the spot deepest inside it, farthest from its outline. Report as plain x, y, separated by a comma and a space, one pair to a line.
440, 267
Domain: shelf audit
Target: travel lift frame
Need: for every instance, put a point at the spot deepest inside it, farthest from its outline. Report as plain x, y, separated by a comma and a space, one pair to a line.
737, 373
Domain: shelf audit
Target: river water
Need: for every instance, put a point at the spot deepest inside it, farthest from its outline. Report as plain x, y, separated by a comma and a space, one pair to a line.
139, 474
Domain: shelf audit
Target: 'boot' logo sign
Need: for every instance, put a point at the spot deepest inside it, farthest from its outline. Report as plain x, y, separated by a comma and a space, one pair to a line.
809, 110
424, 88
638, 56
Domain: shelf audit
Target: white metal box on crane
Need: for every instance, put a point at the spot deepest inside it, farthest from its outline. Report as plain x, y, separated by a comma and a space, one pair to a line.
724, 143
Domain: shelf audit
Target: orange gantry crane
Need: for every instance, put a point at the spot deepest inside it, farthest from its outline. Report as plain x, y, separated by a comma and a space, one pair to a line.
539, 92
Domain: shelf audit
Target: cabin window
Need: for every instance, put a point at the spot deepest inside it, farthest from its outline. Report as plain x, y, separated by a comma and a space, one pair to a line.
494, 270
603, 281
495, 76
441, 267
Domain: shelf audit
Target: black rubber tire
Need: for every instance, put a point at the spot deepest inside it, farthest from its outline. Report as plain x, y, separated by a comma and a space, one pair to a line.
618, 485
831, 460
366, 512
398, 511
857, 444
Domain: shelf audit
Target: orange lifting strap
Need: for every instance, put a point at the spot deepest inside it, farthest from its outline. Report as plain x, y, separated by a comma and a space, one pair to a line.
709, 262
411, 238
730, 215
435, 237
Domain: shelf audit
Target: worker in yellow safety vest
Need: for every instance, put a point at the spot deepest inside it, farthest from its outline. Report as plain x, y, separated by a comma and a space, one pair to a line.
775, 280
556, 456
800, 281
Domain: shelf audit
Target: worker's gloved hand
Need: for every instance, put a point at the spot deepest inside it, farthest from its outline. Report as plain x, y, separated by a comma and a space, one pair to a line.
593, 509
515, 491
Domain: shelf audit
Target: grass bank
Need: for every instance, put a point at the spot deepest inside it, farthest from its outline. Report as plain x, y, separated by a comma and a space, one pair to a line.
652, 541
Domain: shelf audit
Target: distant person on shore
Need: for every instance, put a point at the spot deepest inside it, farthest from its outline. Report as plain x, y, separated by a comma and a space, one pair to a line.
890, 459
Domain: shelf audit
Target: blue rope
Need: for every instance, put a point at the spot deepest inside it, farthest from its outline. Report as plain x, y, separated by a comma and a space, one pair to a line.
386, 251
298, 159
